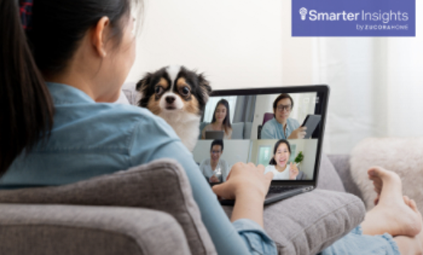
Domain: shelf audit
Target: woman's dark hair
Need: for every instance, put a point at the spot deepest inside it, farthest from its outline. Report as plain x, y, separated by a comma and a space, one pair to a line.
272, 161
279, 98
47, 45
217, 142
226, 121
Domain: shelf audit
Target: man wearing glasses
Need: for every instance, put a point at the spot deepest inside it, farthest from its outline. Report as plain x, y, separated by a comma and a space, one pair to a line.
214, 168
282, 126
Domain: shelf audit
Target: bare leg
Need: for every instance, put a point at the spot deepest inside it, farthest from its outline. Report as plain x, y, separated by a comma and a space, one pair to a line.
410, 245
391, 214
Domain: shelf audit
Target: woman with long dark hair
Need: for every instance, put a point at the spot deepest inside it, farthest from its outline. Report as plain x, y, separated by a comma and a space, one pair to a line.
59, 70
220, 121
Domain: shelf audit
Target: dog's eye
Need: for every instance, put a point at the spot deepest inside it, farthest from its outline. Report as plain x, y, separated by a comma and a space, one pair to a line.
185, 91
159, 90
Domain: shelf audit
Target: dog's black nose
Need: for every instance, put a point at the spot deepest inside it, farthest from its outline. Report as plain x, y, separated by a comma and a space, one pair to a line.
170, 99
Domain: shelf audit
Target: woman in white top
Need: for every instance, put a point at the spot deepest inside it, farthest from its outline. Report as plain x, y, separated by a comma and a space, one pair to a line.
221, 120
214, 168
279, 166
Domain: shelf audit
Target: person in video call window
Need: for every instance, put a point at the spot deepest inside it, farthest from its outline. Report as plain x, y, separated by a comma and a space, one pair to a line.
221, 120
282, 126
211, 167
279, 166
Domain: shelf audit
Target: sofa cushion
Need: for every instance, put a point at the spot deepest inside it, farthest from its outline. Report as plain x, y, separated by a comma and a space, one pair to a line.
161, 185
131, 94
400, 155
310, 222
88, 230
341, 163
328, 176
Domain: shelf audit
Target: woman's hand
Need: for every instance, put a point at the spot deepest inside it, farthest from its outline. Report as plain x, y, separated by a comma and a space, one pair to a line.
293, 171
244, 179
298, 133
249, 185
214, 179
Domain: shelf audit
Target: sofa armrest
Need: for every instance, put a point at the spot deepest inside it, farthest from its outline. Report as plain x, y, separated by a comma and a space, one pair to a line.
160, 185
342, 166
66, 229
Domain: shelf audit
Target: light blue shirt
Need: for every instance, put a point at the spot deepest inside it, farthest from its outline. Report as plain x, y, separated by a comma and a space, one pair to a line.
90, 139
272, 129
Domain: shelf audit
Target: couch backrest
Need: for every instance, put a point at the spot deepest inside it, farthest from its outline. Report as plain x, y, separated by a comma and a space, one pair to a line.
161, 185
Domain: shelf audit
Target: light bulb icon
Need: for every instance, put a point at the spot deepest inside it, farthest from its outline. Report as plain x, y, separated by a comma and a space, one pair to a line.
303, 13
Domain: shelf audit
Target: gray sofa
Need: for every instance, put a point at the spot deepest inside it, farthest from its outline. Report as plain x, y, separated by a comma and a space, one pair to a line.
150, 210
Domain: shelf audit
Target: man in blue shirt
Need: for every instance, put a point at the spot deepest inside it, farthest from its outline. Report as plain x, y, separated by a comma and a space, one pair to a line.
281, 126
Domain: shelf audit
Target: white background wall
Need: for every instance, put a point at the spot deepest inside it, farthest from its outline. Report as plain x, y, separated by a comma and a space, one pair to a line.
237, 43
376, 83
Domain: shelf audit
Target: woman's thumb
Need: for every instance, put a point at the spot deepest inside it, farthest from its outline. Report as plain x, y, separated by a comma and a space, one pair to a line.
218, 189
269, 176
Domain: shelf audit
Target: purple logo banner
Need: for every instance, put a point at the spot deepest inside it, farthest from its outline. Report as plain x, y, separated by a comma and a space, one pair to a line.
354, 18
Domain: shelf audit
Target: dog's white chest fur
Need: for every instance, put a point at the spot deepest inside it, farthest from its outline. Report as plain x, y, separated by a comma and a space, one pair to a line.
186, 126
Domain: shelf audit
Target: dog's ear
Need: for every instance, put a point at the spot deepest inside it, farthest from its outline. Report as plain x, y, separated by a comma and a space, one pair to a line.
142, 87
205, 87
143, 83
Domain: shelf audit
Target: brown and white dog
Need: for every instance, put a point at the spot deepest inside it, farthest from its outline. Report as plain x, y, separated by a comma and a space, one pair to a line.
179, 96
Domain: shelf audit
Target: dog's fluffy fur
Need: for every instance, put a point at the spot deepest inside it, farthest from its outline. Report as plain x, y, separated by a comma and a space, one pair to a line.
179, 96
401, 155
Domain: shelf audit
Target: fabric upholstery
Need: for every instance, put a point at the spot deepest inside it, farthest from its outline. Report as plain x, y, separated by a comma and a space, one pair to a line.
328, 177
161, 185
131, 94
310, 222
342, 166
400, 155
238, 130
90, 230
247, 130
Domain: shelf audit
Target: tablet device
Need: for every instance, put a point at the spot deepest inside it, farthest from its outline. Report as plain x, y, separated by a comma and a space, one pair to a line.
214, 135
311, 122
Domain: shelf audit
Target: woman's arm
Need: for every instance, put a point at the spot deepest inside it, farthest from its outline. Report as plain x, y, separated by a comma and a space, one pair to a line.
229, 135
154, 140
248, 185
203, 132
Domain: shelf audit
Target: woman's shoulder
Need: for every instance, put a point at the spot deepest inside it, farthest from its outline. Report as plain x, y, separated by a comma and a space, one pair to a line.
208, 127
137, 118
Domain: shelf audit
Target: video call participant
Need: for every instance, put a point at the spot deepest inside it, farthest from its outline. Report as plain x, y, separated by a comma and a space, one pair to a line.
221, 120
279, 166
214, 168
282, 126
